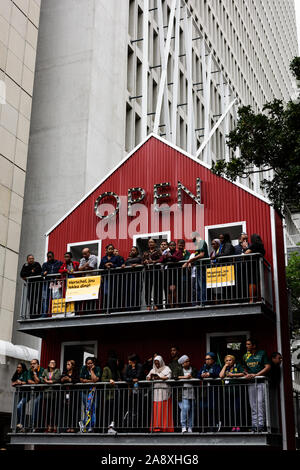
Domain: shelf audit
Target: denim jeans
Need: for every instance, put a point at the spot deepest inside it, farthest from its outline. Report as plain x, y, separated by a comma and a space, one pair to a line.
37, 409
199, 286
187, 406
45, 298
21, 410
85, 395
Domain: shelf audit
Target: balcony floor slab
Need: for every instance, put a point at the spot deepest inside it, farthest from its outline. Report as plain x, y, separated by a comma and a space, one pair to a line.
39, 326
153, 440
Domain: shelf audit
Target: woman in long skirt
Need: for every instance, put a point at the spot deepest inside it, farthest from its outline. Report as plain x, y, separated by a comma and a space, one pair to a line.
162, 412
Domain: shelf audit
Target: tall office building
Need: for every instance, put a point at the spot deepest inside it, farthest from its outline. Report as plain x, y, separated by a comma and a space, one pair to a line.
19, 23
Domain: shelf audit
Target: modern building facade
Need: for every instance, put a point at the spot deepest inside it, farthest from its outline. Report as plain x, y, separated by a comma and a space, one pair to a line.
19, 23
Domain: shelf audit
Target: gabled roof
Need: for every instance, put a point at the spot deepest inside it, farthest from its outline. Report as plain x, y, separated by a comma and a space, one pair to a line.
128, 156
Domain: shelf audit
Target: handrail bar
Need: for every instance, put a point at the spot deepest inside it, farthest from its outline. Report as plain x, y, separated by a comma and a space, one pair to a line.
202, 260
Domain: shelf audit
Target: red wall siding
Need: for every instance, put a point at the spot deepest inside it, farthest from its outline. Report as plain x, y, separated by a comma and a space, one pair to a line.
189, 335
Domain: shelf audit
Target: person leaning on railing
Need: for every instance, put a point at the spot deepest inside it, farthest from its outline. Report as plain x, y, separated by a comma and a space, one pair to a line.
111, 374
198, 270
90, 373
153, 276
51, 376
132, 280
34, 377
67, 269
169, 259
70, 402
69, 266
256, 364
184, 286
109, 287
232, 370
51, 266
20, 378
34, 294
210, 370
241, 268
256, 246
162, 411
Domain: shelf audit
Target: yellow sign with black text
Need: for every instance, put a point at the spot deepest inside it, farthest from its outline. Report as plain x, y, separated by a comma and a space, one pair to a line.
83, 288
220, 276
60, 306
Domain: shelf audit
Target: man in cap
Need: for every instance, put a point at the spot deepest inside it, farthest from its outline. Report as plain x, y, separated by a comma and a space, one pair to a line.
210, 370
186, 394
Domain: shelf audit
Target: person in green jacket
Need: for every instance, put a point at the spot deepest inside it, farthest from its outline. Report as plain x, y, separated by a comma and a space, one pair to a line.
51, 376
173, 364
20, 378
111, 375
34, 377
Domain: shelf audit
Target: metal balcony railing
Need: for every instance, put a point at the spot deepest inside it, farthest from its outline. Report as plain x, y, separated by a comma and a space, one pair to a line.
204, 406
228, 280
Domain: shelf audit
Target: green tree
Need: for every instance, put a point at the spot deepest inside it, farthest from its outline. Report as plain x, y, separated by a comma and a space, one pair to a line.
293, 282
269, 140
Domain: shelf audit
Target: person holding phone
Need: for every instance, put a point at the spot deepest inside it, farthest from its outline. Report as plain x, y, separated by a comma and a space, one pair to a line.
162, 411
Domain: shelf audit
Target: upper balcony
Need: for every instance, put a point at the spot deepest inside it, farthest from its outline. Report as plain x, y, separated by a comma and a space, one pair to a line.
235, 285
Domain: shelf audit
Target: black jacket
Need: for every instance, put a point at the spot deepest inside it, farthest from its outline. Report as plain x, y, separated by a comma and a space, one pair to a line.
31, 270
137, 373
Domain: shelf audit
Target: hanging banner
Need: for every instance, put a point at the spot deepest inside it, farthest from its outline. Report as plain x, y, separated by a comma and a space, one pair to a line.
221, 276
83, 288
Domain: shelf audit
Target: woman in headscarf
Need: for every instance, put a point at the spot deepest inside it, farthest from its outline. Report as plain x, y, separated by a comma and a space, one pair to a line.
162, 414
216, 249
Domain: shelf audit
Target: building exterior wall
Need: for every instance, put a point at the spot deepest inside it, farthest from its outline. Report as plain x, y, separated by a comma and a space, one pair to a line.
77, 128
18, 43
19, 24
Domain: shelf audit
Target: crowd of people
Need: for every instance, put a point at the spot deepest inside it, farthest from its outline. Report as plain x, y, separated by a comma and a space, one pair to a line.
169, 275
166, 399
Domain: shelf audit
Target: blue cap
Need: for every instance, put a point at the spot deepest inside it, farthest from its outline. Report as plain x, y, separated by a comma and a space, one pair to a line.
211, 354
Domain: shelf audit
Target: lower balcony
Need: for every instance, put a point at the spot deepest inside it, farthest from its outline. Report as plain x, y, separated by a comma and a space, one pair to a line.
214, 412
234, 286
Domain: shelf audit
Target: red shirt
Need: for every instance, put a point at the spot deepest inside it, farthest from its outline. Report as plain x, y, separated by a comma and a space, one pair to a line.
64, 269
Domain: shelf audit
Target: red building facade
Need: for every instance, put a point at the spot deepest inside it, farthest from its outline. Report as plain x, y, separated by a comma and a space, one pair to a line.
152, 170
